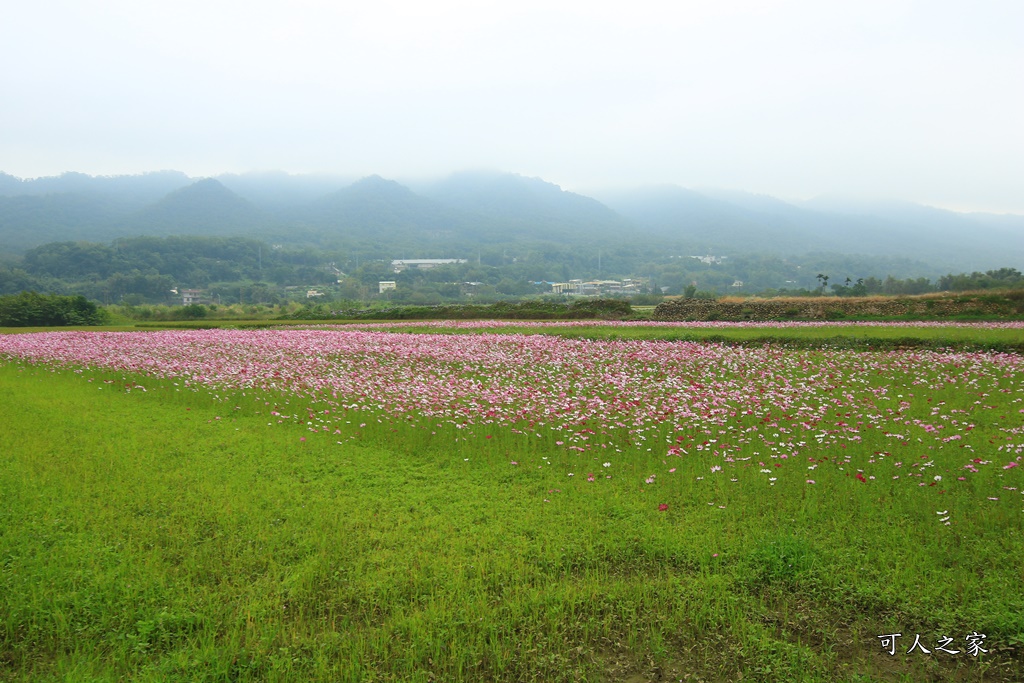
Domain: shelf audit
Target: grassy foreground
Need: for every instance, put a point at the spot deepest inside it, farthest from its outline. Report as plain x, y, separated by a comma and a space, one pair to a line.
162, 535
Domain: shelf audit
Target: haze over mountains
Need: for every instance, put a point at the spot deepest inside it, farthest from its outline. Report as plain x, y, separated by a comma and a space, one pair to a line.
454, 216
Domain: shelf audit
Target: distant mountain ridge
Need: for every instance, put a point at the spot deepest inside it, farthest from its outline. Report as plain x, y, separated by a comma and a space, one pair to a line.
454, 215
727, 220
529, 207
204, 207
133, 191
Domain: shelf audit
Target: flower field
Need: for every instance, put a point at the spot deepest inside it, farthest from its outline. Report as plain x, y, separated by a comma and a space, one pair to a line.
794, 504
802, 325
727, 405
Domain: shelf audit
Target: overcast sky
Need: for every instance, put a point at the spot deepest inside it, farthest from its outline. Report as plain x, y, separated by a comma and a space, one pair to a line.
920, 100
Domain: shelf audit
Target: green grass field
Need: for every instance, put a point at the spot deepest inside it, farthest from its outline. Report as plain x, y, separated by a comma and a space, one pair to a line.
174, 535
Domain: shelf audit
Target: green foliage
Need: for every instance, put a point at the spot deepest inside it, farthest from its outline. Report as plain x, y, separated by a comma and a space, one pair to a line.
1002, 278
193, 311
646, 299
782, 559
576, 309
248, 270
996, 305
30, 309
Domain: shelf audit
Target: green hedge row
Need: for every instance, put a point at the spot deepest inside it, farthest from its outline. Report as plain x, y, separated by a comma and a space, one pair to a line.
29, 309
1003, 305
579, 309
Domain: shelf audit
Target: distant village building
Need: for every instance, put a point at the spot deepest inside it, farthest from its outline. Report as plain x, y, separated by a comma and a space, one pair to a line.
386, 285
710, 260
313, 293
598, 287
398, 265
192, 296
570, 287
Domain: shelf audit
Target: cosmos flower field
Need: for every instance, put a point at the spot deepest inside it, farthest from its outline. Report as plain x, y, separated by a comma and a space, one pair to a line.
795, 504
726, 405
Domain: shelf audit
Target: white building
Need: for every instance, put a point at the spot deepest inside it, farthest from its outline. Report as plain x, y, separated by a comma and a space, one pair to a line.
398, 265
595, 287
192, 296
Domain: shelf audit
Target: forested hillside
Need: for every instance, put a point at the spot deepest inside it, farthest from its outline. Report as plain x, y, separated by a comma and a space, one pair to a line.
142, 237
485, 208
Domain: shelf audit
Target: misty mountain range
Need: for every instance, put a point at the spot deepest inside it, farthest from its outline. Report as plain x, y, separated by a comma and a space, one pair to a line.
454, 216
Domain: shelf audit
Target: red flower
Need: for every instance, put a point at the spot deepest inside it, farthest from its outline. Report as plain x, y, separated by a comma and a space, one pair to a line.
663, 507
861, 477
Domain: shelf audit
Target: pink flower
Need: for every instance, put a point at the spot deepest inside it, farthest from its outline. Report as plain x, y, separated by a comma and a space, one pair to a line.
663, 507
810, 481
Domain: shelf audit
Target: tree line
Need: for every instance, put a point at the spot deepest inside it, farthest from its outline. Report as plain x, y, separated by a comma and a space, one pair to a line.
30, 309
230, 270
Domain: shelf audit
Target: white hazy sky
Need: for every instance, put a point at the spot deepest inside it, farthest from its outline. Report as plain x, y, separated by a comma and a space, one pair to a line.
920, 100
